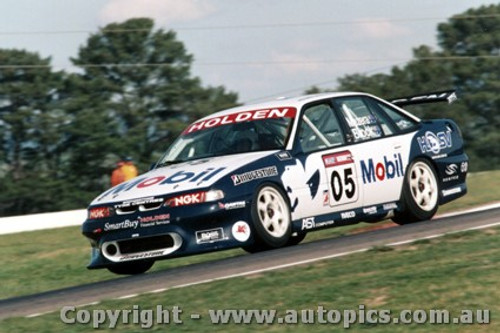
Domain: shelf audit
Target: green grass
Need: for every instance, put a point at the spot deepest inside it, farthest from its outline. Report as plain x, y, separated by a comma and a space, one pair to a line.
455, 272
44, 260
483, 187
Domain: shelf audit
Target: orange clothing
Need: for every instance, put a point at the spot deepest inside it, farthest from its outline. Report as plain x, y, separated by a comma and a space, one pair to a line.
129, 170
117, 176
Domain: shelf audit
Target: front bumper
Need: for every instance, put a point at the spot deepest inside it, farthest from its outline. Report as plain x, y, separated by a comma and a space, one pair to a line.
167, 232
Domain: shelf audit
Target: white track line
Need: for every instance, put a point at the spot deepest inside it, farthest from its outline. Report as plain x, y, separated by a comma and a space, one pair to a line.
472, 210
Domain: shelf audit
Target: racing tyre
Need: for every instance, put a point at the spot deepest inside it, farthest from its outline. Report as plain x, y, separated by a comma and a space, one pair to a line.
271, 219
294, 240
131, 268
420, 193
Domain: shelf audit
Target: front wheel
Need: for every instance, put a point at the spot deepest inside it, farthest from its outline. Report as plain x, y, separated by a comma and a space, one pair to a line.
271, 217
420, 193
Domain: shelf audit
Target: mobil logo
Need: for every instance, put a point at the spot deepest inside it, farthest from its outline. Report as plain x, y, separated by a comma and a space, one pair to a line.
175, 178
388, 168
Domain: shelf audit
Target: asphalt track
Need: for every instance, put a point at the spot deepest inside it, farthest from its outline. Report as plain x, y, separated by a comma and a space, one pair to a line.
131, 286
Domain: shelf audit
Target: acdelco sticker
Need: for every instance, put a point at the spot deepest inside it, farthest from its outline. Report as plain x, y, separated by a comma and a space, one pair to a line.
283, 112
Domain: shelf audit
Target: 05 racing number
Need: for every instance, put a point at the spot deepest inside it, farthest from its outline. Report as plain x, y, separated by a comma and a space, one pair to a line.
340, 187
341, 178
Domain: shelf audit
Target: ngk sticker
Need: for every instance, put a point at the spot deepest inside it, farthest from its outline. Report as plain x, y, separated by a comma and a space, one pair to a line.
187, 199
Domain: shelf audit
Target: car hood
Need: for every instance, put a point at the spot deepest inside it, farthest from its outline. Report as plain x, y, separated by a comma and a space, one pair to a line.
180, 177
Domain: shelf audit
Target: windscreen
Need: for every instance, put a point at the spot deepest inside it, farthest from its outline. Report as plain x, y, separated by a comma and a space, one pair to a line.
246, 131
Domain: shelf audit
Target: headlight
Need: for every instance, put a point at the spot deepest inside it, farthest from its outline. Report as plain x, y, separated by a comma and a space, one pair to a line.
194, 198
214, 195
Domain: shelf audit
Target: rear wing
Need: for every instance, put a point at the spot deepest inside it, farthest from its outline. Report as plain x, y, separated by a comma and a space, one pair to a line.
439, 96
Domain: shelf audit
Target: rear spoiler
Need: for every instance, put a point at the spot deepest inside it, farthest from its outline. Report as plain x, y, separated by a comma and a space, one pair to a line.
439, 96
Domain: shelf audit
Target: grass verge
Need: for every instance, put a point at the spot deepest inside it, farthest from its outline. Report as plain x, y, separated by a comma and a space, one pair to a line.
455, 272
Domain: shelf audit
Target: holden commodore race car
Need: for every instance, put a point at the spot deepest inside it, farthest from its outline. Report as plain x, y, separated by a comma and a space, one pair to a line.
263, 176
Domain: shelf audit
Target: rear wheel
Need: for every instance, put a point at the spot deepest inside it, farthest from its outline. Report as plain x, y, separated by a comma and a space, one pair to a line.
131, 268
420, 193
271, 219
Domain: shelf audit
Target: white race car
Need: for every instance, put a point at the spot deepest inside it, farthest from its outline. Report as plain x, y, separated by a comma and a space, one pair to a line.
262, 176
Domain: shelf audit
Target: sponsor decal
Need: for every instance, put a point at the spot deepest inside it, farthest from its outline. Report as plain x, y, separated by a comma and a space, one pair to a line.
186, 199
452, 191
348, 215
449, 179
434, 142
178, 177
464, 166
451, 169
127, 224
390, 206
324, 224
232, 205
449, 96
255, 174
370, 210
150, 221
326, 198
142, 255
310, 223
154, 218
283, 156
241, 231
343, 157
388, 169
139, 202
99, 212
283, 112
210, 236
436, 157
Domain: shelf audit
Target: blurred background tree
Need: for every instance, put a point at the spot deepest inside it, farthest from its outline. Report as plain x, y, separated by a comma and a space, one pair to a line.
31, 119
135, 101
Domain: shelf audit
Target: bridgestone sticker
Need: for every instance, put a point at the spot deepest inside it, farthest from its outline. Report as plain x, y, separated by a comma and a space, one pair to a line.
255, 174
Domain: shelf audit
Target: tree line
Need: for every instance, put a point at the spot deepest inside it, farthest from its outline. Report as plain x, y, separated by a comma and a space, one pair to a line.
61, 132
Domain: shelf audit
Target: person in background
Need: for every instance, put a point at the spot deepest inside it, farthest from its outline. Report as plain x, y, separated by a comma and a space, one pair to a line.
117, 176
129, 169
